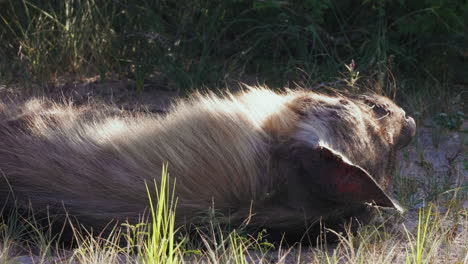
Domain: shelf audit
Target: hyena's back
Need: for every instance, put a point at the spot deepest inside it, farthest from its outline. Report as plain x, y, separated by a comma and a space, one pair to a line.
94, 161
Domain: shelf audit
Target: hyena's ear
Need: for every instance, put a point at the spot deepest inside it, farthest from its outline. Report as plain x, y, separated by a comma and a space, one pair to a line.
333, 177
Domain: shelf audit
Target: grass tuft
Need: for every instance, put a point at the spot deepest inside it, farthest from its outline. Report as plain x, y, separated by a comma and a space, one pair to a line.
161, 246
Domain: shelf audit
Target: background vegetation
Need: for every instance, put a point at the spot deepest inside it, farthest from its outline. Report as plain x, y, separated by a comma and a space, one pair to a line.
423, 44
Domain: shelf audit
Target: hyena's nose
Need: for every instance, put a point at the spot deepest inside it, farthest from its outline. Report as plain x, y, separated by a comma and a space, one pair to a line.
411, 126
407, 133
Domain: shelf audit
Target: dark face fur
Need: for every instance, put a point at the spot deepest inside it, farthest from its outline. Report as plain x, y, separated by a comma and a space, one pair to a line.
398, 128
394, 131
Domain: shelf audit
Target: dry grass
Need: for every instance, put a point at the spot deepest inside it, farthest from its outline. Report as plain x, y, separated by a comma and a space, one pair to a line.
431, 234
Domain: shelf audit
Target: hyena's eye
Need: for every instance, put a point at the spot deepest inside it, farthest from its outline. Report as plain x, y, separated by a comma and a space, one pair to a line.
380, 110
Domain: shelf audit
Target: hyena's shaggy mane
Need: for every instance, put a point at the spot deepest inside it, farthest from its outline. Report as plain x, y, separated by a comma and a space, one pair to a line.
94, 154
243, 153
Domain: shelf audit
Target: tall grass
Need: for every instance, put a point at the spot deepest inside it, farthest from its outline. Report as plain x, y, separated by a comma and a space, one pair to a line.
203, 43
421, 246
50, 39
161, 245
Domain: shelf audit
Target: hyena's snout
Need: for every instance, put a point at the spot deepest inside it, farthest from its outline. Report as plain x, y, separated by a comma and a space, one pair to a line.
408, 131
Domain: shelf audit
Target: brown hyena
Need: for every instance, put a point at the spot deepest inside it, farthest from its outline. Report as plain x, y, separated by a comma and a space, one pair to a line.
283, 160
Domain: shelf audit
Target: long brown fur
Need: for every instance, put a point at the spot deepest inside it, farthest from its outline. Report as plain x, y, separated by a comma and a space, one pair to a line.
245, 154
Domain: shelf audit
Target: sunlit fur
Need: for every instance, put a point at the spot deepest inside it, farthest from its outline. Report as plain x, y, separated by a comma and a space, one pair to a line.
223, 151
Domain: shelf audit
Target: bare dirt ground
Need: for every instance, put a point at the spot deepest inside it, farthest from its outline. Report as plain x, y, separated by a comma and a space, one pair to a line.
433, 159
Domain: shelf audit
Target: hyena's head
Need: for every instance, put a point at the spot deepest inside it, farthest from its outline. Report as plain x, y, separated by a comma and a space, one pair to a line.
343, 148
395, 126
389, 129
